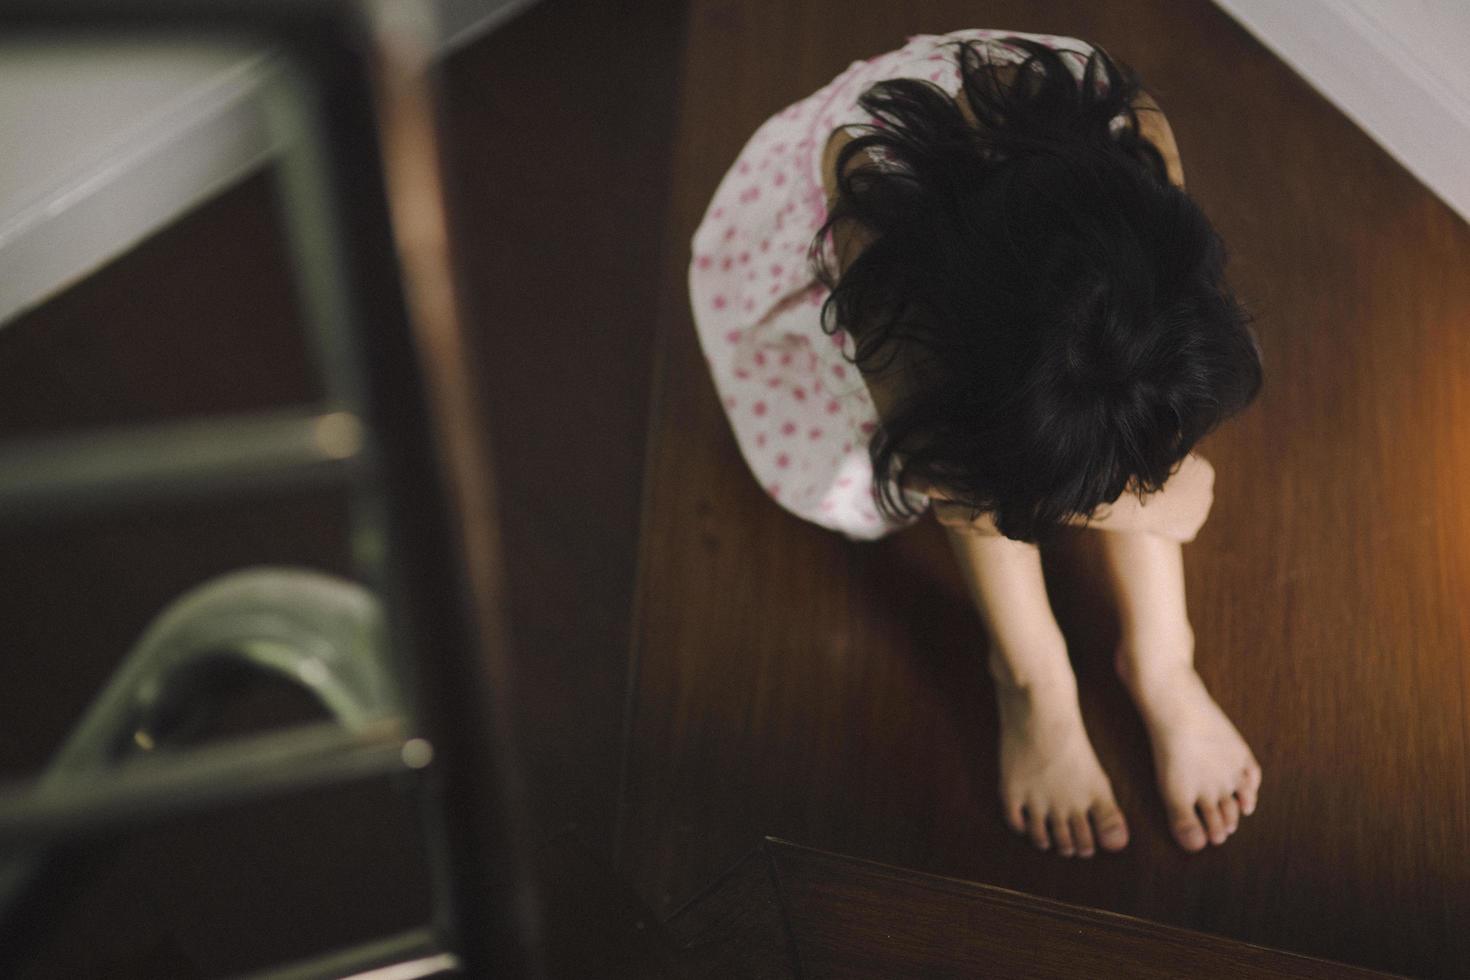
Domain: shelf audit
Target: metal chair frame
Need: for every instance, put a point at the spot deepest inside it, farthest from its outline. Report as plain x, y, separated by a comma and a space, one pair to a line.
422, 686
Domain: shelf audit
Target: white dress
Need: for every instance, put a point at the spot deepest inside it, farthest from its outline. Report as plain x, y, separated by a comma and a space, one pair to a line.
800, 410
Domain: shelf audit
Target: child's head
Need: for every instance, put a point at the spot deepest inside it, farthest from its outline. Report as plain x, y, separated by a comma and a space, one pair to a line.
1058, 307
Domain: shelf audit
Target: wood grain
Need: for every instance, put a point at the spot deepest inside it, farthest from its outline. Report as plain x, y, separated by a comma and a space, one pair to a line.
559, 128
856, 920
738, 926
792, 683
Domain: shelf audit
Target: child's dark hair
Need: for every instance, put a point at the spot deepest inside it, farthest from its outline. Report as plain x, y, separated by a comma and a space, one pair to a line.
1060, 305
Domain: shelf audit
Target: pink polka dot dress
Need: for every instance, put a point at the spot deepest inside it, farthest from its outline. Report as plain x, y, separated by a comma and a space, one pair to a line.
800, 410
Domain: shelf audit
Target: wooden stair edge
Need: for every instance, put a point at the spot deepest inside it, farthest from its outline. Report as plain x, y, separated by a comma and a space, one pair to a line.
596, 924
738, 920
784, 909
1280, 962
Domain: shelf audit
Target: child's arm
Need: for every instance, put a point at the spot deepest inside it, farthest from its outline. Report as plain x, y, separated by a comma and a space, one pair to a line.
1005, 581
1154, 127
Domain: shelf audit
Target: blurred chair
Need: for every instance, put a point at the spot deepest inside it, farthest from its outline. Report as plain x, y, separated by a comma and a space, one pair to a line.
412, 666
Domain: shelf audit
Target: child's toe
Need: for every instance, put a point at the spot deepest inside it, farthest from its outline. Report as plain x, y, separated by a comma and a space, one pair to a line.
1187, 829
1230, 810
1015, 818
1036, 828
1250, 783
1214, 822
1082, 834
1112, 829
1061, 832
1247, 801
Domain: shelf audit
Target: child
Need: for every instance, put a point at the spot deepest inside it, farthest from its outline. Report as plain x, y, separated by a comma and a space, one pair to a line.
965, 275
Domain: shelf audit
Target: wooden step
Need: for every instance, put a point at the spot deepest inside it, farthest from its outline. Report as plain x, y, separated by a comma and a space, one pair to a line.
856, 919
786, 911
595, 925
736, 927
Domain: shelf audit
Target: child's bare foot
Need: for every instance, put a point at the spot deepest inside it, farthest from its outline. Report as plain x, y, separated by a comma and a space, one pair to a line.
1050, 779
1207, 773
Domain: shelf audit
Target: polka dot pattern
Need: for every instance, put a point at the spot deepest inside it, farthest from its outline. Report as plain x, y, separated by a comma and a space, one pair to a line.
801, 413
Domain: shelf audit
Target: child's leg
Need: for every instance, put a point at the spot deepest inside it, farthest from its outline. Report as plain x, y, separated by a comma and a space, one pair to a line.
1051, 782
1202, 762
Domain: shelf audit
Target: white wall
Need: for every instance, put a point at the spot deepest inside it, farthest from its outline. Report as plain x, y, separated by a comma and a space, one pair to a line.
106, 142
1400, 69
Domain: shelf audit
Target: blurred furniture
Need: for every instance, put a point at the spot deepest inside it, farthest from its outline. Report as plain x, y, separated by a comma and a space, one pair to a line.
413, 666
122, 138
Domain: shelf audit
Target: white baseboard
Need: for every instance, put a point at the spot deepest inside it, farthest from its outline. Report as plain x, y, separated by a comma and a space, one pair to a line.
1395, 67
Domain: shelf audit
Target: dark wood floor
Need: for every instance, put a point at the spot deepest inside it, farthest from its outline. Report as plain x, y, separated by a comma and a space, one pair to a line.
560, 126
792, 683
785, 681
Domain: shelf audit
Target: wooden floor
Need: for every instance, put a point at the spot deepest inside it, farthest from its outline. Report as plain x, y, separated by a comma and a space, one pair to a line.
559, 126
792, 683
785, 681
